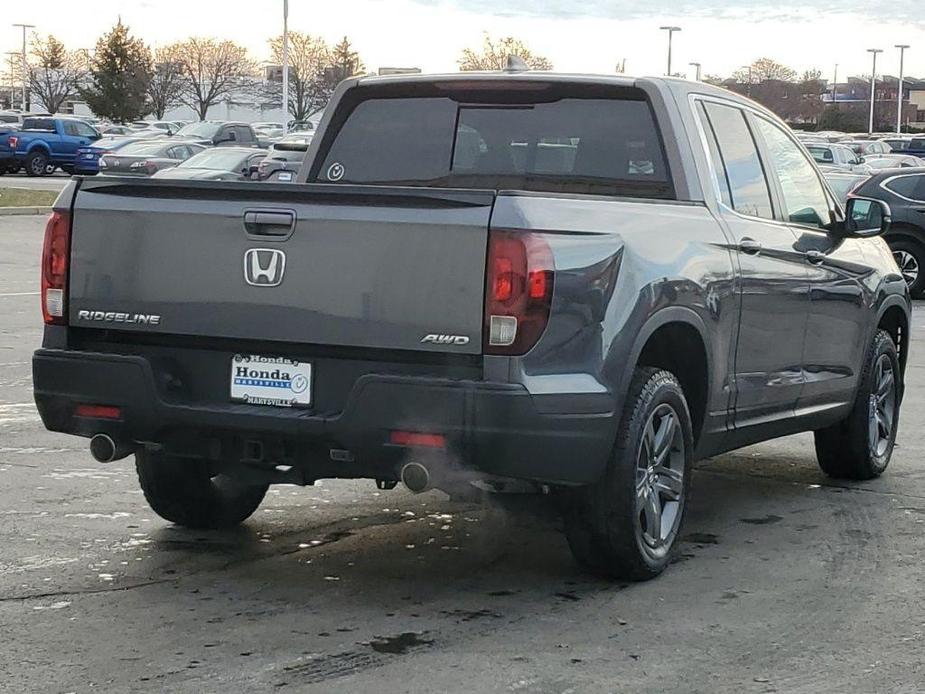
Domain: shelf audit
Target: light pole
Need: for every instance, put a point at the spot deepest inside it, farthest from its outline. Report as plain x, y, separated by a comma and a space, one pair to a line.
696, 65
286, 62
835, 87
671, 31
873, 88
13, 56
25, 65
899, 98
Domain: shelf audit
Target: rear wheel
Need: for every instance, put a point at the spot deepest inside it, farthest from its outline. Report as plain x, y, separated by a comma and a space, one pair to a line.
910, 257
861, 445
37, 164
627, 524
191, 493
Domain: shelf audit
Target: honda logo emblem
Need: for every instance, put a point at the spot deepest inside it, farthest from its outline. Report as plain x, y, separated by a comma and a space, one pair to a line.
264, 267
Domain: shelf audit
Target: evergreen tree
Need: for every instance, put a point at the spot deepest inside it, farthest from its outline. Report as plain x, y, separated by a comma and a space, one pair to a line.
345, 62
119, 77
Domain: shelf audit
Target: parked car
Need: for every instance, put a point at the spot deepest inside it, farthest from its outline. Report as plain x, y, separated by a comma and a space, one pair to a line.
147, 157
10, 117
108, 130
904, 191
268, 133
219, 133
837, 157
445, 300
283, 156
893, 161
272, 129
869, 147
897, 144
43, 143
87, 161
218, 164
916, 147
165, 127
301, 126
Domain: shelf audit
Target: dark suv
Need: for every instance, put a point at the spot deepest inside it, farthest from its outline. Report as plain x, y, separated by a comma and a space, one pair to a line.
904, 191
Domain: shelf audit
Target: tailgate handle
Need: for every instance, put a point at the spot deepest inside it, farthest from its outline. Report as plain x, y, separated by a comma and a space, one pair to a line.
260, 223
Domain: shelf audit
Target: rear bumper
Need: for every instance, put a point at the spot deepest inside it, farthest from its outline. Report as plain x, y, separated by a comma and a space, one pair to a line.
493, 428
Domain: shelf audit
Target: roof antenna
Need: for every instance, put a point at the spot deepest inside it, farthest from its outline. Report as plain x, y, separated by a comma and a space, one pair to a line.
515, 63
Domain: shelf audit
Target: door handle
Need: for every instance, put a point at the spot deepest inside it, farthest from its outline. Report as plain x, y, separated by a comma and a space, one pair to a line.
749, 246
815, 257
269, 223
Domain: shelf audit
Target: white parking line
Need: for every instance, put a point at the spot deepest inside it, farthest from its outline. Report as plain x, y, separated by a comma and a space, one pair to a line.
20, 294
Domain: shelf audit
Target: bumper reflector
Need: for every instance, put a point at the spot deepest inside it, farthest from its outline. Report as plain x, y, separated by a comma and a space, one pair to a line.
98, 412
413, 439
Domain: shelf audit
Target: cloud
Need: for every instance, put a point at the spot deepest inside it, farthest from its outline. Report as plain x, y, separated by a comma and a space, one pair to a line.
718, 9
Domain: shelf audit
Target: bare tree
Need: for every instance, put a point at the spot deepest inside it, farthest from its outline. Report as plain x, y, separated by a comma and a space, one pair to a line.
764, 69
212, 71
309, 56
166, 87
55, 72
495, 52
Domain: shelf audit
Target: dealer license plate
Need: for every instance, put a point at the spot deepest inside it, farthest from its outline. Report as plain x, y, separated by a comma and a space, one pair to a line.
275, 381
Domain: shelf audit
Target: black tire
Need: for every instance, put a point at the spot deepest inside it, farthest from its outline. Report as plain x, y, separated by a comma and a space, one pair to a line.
847, 449
36, 164
910, 257
188, 492
606, 522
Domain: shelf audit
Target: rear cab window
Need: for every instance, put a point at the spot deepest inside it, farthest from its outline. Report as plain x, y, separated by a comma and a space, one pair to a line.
545, 137
42, 124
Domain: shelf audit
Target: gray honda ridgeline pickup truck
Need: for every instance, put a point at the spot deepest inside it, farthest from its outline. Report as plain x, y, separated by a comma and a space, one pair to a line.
574, 284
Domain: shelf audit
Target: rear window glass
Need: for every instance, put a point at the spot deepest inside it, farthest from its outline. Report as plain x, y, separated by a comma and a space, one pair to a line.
144, 148
46, 124
606, 146
823, 155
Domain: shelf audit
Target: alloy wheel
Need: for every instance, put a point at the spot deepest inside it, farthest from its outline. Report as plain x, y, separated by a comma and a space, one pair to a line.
882, 410
908, 266
660, 480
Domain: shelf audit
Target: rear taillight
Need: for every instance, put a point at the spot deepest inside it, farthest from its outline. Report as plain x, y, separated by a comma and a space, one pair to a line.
518, 291
12, 141
55, 261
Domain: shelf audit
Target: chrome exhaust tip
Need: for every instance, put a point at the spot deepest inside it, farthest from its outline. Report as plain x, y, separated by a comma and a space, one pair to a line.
415, 477
105, 450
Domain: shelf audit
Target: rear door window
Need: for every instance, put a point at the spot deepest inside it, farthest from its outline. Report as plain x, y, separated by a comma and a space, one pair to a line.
747, 183
572, 144
909, 187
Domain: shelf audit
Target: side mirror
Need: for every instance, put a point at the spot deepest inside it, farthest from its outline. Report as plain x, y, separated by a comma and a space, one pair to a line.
862, 160
866, 217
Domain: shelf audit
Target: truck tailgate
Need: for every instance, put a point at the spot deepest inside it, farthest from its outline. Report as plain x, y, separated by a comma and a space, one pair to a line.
320, 264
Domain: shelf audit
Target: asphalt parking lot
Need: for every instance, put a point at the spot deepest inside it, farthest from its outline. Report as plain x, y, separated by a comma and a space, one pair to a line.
787, 582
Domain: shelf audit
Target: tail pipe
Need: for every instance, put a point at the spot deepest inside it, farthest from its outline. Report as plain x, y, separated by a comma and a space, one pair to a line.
105, 450
416, 477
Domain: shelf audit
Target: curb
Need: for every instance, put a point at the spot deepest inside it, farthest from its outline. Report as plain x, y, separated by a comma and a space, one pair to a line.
17, 211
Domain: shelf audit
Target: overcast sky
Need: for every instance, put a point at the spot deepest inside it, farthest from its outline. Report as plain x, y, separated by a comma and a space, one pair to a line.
590, 36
